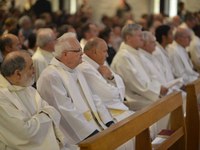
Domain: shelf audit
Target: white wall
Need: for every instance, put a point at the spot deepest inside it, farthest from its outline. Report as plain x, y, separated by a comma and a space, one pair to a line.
192, 5
109, 7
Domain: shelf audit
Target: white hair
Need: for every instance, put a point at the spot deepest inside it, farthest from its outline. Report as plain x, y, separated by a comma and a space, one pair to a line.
63, 43
147, 36
44, 35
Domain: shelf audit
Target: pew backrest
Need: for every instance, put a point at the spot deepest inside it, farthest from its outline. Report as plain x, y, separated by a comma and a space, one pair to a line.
192, 115
137, 125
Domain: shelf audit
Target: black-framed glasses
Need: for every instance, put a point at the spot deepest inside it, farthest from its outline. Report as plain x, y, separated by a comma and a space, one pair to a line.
75, 50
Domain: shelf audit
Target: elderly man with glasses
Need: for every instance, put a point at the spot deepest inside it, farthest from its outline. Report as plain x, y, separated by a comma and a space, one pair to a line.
65, 88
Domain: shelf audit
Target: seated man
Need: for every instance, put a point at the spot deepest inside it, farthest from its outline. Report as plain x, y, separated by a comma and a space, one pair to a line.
140, 89
102, 81
26, 121
8, 43
181, 63
65, 88
45, 41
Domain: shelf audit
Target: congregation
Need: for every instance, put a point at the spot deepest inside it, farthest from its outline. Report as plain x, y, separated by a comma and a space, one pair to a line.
65, 78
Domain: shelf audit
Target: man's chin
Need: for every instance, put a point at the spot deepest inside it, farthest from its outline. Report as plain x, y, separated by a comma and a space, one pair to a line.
30, 83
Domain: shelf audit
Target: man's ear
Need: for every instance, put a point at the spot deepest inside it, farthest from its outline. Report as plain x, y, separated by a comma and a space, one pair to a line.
128, 37
8, 48
18, 74
164, 38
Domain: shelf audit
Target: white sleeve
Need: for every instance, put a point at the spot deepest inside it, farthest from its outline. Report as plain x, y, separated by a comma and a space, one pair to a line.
135, 80
52, 90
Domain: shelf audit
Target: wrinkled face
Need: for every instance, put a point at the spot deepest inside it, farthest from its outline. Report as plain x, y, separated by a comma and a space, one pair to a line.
135, 40
27, 74
150, 45
185, 39
73, 56
101, 53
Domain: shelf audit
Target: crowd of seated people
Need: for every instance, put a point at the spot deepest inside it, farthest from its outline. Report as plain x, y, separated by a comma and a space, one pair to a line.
65, 78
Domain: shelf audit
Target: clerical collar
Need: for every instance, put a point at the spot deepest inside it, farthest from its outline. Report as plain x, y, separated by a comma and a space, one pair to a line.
129, 48
57, 63
92, 62
147, 54
5, 84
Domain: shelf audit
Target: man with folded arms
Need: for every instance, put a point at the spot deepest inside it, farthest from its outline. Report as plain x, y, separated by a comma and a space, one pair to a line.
26, 121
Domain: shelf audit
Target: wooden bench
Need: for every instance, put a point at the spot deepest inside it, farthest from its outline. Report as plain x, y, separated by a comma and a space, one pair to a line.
138, 125
192, 115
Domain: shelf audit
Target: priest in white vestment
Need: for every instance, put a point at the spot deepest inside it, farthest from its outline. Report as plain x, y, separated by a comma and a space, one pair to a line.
65, 88
27, 122
189, 23
45, 41
105, 83
140, 89
149, 61
164, 36
181, 63
89, 31
152, 67
9, 43
102, 80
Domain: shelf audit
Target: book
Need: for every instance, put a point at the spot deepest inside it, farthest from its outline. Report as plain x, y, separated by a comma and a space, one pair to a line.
161, 137
165, 133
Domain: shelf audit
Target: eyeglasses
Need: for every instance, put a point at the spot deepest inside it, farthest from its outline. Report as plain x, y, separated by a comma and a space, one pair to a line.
74, 50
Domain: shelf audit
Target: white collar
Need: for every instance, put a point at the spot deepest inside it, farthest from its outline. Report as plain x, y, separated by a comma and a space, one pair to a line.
57, 63
6, 84
89, 60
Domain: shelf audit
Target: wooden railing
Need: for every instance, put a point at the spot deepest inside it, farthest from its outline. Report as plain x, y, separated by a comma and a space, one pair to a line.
138, 125
192, 115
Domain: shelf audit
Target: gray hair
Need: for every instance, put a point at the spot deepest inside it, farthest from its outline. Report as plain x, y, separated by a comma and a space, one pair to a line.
129, 29
63, 43
44, 36
23, 19
181, 32
147, 36
12, 62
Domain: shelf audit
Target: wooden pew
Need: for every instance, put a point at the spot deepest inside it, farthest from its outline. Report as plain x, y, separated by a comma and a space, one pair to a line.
138, 125
192, 115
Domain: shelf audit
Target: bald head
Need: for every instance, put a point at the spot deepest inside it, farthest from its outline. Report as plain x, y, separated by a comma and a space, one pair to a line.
17, 68
14, 61
93, 44
9, 43
96, 49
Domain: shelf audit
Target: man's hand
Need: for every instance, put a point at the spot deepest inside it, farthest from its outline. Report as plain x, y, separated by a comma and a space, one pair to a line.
105, 72
163, 91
